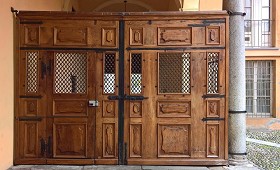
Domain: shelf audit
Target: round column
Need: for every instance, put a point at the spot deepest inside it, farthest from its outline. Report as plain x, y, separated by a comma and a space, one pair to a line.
237, 83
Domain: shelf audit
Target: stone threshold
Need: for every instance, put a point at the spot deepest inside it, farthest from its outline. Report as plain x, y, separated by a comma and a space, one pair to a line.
125, 167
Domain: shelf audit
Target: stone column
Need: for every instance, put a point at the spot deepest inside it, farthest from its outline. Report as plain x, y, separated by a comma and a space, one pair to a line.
237, 84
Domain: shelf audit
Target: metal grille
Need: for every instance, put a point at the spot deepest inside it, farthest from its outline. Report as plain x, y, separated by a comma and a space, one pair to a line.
70, 73
259, 88
32, 72
213, 73
109, 73
174, 73
136, 74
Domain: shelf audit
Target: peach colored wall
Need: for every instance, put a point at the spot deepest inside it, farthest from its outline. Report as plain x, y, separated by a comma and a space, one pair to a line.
191, 5
208, 5
6, 70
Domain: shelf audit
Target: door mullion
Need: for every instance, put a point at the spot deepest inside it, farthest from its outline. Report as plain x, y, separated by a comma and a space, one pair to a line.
121, 94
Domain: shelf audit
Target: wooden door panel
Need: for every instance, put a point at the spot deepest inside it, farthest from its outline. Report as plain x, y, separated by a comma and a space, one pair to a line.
70, 138
31, 139
70, 119
31, 112
70, 107
107, 112
135, 138
174, 140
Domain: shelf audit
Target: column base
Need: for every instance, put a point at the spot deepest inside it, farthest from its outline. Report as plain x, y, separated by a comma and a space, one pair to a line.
238, 160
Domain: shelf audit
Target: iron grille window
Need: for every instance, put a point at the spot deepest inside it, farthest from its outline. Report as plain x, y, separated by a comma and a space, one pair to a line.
136, 74
32, 72
213, 72
109, 76
70, 73
259, 88
258, 23
174, 73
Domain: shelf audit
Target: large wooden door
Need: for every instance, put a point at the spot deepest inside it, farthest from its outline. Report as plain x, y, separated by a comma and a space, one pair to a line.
175, 77
64, 115
145, 89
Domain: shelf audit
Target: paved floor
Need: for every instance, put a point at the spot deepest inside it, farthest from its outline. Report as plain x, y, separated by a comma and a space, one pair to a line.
122, 167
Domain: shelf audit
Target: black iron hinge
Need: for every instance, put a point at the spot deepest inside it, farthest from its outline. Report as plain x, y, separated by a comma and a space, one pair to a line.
125, 153
205, 119
126, 97
43, 147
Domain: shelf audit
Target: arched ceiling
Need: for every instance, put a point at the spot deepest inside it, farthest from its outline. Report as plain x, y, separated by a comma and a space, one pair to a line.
131, 5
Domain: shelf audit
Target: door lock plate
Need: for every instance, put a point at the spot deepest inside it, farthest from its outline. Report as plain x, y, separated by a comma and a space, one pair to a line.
92, 103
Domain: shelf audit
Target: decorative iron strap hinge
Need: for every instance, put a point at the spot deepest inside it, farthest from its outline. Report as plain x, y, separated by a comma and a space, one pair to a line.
127, 97
125, 153
43, 147
205, 119
48, 147
213, 96
34, 118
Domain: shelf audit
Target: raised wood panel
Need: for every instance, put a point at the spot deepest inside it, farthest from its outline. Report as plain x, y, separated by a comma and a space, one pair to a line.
175, 36
150, 36
174, 109
70, 107
198, 36
70, 140
136, 36
109, 143
109, 37
46, 36
31, 107
70, 36
135, 140
213, 35
213, 108
30, 139
135, 108
213, 140
109, 109
31, 35
173, 140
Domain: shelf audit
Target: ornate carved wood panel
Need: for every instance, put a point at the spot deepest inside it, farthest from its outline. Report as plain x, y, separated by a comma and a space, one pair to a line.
135, 140
70, 107
70, 36
70, 140
173, 140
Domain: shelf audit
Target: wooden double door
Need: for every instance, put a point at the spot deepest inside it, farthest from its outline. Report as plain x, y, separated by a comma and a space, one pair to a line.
146, 89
